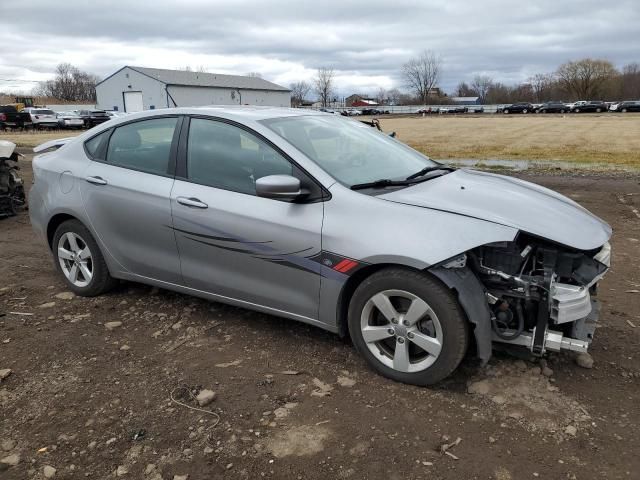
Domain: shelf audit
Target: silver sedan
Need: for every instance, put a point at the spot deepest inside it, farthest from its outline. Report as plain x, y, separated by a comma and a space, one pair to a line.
324, 220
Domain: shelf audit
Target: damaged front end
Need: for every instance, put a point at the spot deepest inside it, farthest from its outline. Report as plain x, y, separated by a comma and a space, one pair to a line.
535, 293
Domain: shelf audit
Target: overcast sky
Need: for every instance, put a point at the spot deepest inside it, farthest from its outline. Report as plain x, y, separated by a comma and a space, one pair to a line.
365, 42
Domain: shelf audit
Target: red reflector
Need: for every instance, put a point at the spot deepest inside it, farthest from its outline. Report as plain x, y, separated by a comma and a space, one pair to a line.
345, 265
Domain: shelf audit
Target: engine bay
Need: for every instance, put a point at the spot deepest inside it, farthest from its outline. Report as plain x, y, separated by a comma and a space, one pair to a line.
539, 292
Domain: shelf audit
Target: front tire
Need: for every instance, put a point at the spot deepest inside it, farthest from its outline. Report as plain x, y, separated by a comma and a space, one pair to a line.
79, 259
408, 326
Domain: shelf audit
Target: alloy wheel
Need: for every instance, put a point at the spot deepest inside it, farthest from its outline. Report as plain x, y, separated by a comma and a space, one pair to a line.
75, 259
401, 330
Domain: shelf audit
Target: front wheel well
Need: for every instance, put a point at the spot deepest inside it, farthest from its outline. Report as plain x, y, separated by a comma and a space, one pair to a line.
352, 284
54, 223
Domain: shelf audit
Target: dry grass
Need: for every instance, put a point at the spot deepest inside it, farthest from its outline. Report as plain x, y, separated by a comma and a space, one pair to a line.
610, 138
33, 138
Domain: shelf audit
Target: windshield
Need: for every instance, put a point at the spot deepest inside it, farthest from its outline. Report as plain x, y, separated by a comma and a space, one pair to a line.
350, 151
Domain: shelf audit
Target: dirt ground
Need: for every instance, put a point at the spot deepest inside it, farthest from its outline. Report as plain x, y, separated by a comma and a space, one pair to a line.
93, 399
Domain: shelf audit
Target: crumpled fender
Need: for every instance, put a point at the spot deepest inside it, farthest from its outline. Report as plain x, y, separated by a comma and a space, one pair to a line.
471, 295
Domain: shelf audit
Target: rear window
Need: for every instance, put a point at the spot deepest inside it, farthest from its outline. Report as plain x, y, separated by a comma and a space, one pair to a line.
43, 112
99, 113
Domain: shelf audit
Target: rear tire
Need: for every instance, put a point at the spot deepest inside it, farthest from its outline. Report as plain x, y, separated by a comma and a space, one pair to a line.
79, 259
408, 326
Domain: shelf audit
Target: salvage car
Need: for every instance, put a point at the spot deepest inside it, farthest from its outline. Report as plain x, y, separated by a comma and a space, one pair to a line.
69, 120
91, 118
42, 117
327, 221
553, 107
625, 107
11, 118
595, 106
520, 107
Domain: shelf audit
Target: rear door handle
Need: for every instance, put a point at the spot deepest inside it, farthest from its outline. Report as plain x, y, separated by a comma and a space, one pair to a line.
96, 180
191, 202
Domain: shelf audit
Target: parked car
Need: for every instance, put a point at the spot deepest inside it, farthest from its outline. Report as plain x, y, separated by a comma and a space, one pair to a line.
69, 120
552, 107
300, 218
520, 107
454, 109
114, 114
426, 111
592, 106
92, 118
477, 109
625, 107
10, 117
613, 106
42, 117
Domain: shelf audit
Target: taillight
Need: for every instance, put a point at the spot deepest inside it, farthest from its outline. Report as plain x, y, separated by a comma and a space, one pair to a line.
3, 117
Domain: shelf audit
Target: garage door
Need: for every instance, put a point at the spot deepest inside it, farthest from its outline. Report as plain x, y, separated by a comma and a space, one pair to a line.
133, 102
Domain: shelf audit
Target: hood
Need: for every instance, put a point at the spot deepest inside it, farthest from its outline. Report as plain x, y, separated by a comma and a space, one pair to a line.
509, 201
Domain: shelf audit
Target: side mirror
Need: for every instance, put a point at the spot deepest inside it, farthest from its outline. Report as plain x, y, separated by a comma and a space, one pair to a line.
279, 187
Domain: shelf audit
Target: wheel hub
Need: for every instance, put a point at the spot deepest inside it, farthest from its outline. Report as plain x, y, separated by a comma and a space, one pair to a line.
401, 330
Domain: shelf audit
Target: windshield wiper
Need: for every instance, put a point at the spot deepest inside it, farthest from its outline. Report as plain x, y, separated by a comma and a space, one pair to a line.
383, 182
426, 170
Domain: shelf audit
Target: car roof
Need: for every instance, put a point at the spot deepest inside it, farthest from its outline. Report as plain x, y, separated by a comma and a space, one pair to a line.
232, 112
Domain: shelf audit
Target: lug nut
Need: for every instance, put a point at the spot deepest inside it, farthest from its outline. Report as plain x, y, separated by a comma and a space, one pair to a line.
410, 335
400, 340
394, 321
391, 331
405, 323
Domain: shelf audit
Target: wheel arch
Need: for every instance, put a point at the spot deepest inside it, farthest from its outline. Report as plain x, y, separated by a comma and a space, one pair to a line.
463, 283
54, 222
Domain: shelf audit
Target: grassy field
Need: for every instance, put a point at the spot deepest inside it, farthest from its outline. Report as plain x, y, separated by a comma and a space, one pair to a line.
33, 138
611, 139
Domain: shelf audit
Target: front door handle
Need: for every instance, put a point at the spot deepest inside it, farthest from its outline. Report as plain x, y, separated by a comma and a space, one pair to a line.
191, 202
96, 180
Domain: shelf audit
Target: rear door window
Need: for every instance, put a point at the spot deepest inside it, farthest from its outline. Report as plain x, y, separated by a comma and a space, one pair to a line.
144, 145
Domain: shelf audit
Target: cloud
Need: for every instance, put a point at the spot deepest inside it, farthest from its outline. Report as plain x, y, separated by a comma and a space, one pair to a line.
286, 41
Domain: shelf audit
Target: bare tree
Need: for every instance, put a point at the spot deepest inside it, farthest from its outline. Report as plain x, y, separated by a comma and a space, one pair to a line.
70, 84
630, 82
481, 85
323, 85
299, 92
394, 96
463, 90
381, 96
585, 79
422, 74
542, 85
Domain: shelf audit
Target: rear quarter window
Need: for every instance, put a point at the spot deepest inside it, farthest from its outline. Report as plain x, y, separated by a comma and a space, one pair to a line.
95, 147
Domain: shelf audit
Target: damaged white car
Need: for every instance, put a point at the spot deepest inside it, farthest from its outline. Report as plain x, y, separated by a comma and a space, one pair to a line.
327, 221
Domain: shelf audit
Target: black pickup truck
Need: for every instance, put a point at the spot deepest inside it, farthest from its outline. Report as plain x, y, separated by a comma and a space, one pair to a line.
10, 117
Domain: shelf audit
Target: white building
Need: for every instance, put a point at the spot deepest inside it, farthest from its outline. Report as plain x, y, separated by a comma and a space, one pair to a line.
133, 89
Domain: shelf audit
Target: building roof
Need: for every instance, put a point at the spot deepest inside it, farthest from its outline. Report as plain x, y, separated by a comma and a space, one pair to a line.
204, 79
